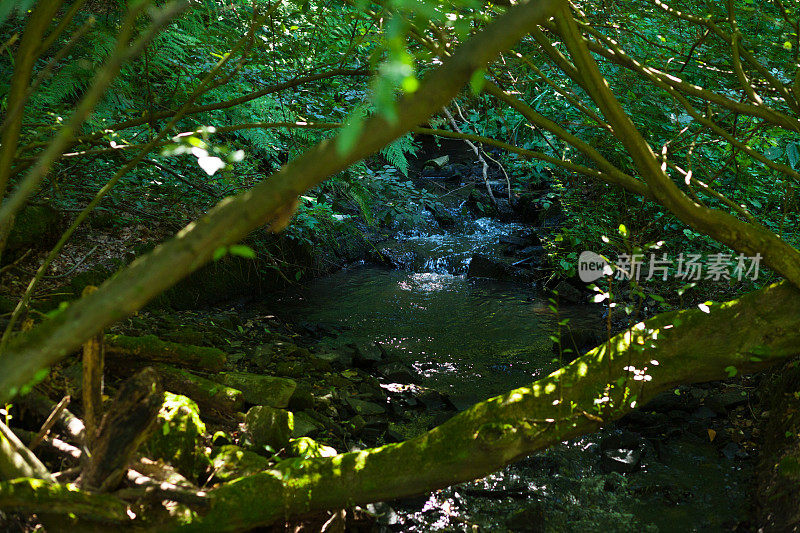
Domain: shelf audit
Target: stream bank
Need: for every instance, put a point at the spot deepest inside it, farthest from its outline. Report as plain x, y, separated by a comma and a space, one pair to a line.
447, 313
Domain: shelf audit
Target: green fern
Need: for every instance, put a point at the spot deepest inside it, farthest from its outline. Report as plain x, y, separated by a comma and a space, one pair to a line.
396, 154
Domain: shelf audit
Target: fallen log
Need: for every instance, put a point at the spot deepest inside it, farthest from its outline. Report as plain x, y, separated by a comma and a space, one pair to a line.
69, 425
39, 496
208, 394
16, 460
151, 349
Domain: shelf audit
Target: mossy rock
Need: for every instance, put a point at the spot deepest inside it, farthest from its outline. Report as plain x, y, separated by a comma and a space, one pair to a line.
176, 438
261, 390
230, 462
268, 428
308, 448
34, 226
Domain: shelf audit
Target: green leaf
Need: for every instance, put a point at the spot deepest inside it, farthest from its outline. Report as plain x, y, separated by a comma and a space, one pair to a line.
477, 81
242, 250
731, 370
793, 154
219, 253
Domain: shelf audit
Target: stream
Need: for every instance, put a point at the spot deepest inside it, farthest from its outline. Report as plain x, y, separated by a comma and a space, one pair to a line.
472, 338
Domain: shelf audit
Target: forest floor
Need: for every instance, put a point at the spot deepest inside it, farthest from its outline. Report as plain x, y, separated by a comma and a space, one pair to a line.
364, 394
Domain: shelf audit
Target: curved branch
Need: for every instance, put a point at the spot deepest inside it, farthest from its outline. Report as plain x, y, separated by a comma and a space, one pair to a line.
752, 333
234, 217
750, 239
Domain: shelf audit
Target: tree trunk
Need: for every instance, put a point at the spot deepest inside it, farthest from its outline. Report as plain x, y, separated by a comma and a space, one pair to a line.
124, 428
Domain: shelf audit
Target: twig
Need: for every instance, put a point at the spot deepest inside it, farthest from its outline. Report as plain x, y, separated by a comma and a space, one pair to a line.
484, 164
75, 266
51, 420
67, 475
181, 177
16, 261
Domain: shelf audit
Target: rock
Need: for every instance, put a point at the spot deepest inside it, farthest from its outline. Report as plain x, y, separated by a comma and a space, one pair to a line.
439, 419
305, 425
434, 401
642, 419
293, 369
526, 208
261, 390
336, 359
481, 266
308, 448
302, 399
732, 451
580, 340
703, 413
368, 355
437, 163
394, 436
550, 210
230, 462
531, 250
397, 372
364, 408
176, 438
514, 240
729, 398
531, 519
266, 426
262, 355
622, 452
568, 293
669, 401
480, 203
358, 423
442, 215
268, 352
337, 381
503, 209
383, 514
372, 393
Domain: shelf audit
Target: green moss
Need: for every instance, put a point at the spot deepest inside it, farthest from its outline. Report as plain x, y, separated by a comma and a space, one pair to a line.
229, 462
176, 439
199, 356
307, 448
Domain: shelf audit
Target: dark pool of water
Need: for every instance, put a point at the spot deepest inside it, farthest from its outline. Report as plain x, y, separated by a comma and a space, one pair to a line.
473, 339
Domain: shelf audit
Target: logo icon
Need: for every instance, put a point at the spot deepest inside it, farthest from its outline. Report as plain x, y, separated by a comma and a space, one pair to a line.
592, 267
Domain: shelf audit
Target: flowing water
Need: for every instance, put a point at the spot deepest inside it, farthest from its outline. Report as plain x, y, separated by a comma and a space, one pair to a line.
475, 338
468, 338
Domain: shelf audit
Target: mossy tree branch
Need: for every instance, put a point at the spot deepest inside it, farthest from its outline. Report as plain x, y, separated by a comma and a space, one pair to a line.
234, 217
747, 238
751, 333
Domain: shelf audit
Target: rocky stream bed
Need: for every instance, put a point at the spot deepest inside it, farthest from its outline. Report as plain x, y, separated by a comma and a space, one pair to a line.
441, 316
